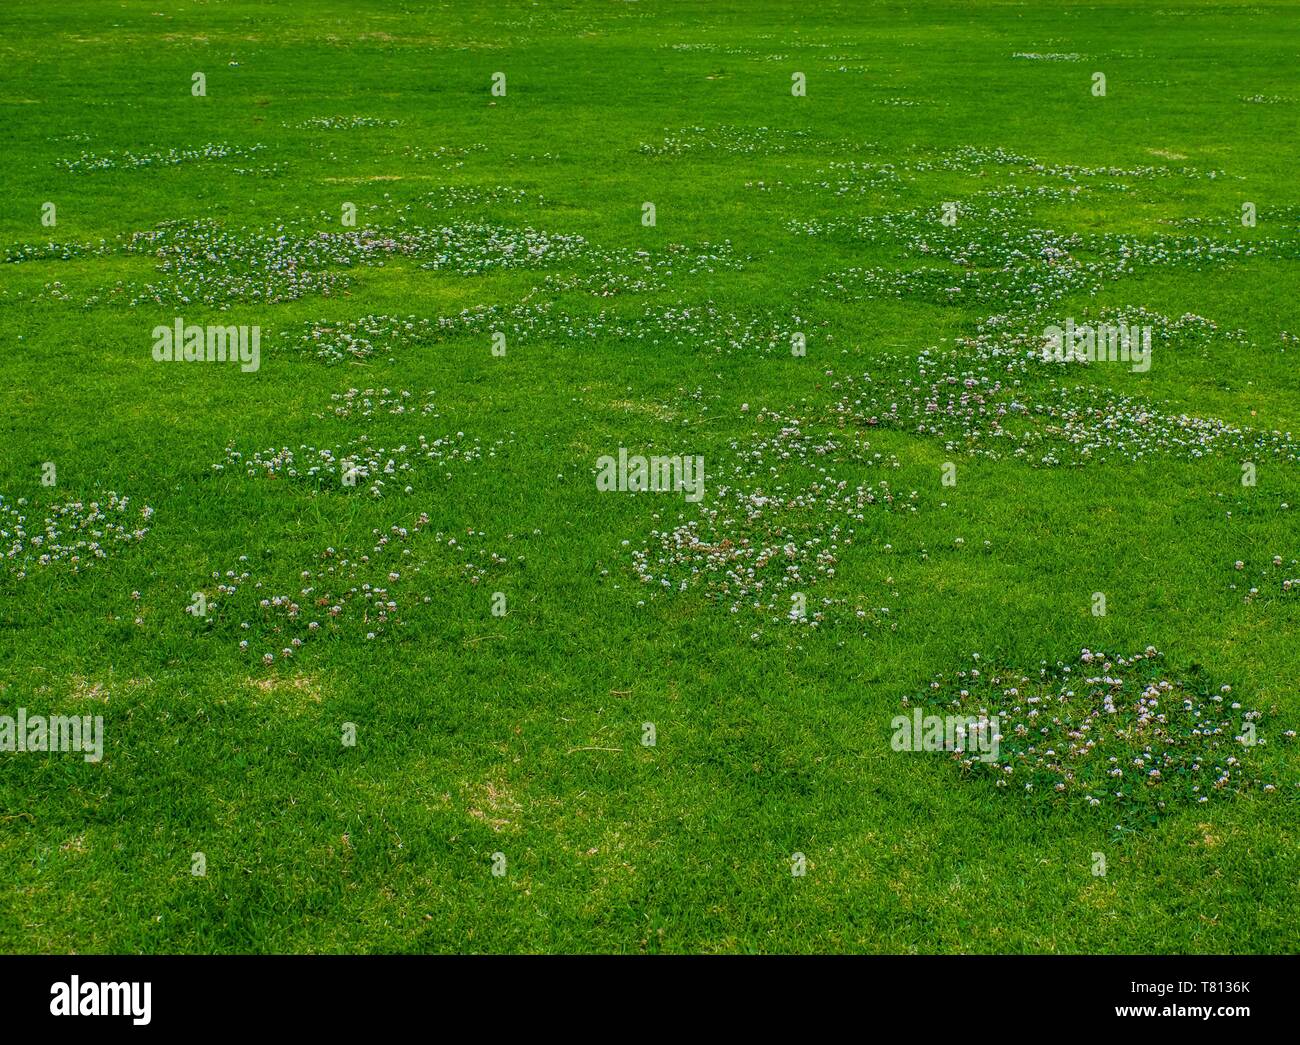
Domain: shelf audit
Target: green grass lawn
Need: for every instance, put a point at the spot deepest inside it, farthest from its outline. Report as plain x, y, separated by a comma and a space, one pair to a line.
412, 710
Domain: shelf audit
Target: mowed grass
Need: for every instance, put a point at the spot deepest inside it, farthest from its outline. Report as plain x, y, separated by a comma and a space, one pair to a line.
522, 734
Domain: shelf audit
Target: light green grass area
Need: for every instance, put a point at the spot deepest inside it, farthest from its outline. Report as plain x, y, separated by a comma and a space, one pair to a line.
369, 533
